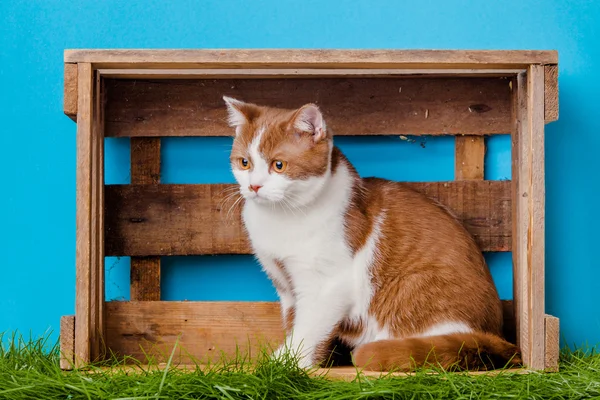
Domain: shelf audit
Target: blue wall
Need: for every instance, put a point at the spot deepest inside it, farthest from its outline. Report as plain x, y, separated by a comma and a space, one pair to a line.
37, 151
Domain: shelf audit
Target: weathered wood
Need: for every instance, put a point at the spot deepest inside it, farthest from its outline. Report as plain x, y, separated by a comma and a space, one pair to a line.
67, 341
469, 159
145, 161
97, 226
145, 279
348, 373
528, 215
220, 73
70, 91
153, 220
550, 93
145, 169
352, 106
150, 220
204, 329
552, 339
258, 58
84, 260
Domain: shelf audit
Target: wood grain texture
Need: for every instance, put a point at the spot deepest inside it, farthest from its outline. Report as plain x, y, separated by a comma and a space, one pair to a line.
290, 73
70, 91
145, 169
552, 339
97, 225
67, 341
145, 161
528, 215
206, 330
352, 106
151, 220
83, 258
550, 93
145, 279
272, 58
469, 158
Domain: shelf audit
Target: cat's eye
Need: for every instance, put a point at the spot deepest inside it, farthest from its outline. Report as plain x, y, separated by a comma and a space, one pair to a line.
279, 166
244, 163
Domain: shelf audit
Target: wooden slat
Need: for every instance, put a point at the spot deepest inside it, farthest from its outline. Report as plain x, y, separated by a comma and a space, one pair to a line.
551, 93
145, 161
97, 226
528, 215
204, 329
84, 261
352, 106
67, 341
145, 169
220, 73
150, 220
258, 58
469, 159
145, 278
552, 339
70, 91
349, 373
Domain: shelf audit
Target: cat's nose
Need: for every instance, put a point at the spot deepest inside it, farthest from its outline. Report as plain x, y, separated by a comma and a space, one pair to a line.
255, 188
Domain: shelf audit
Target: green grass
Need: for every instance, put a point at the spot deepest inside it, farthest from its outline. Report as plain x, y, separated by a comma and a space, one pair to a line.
30, 370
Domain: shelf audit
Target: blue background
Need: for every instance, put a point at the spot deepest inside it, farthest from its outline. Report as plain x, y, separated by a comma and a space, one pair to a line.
37, 150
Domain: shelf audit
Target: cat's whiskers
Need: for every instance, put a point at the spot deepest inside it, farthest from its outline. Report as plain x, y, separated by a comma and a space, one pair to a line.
289, 202
230, 193
233, 207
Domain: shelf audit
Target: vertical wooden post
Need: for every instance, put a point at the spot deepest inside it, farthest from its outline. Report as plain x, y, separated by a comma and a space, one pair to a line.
469, 157
90, 221
552, 339
145, 169
84, 261
67, 341
528, 214
70, 91
97, 275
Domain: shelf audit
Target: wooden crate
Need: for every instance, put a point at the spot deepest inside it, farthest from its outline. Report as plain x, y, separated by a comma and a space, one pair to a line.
148, 94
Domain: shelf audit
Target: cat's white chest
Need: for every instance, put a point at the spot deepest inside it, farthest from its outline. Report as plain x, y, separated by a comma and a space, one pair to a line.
286, 234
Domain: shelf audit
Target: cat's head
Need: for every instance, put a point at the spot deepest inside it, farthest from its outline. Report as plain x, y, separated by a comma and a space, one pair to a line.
279, 156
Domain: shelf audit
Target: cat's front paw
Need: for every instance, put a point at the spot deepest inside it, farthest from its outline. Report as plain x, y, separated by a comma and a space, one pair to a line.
290, 353
305, 362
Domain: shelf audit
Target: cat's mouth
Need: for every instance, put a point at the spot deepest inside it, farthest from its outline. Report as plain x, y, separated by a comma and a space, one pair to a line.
262, 198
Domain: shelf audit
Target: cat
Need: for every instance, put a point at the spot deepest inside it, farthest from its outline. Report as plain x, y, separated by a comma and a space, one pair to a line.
369, 263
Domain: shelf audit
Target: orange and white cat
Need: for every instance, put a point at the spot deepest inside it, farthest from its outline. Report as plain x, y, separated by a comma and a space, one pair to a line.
365, 262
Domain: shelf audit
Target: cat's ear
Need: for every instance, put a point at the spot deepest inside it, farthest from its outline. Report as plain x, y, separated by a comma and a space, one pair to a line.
240, 113
309, 119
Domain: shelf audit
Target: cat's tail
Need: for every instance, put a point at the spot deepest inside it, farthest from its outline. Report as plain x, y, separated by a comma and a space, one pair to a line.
464, 351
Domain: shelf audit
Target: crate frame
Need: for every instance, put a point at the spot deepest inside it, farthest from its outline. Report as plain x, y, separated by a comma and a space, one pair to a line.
531, 75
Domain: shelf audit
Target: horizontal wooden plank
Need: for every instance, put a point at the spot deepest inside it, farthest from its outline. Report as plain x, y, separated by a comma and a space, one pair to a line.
204, 330
221, 73
346, 373
352, 106
161, 220
277, 58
